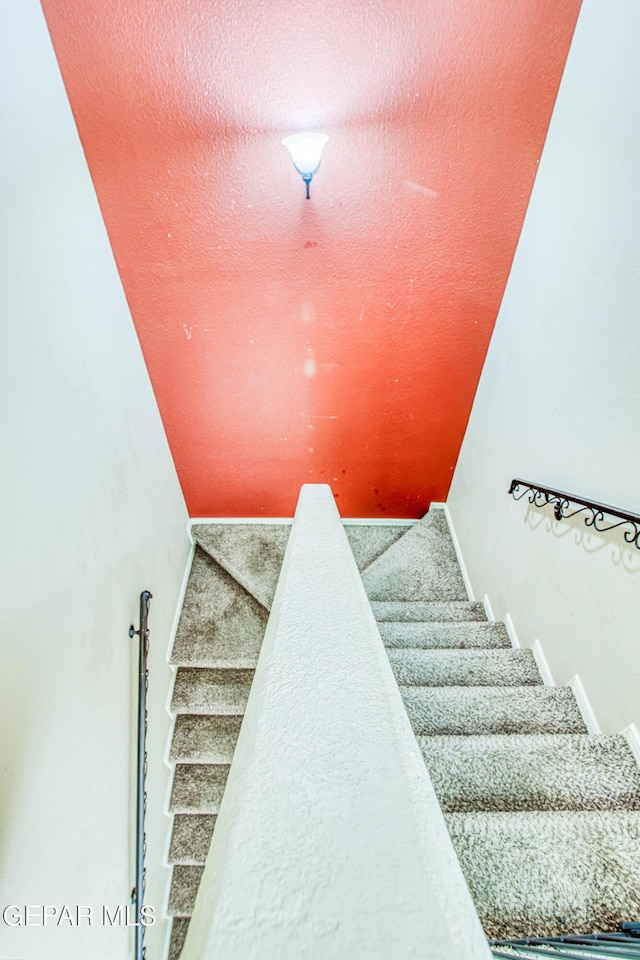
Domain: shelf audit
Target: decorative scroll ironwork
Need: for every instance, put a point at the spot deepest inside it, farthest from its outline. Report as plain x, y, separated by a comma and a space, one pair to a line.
566, 505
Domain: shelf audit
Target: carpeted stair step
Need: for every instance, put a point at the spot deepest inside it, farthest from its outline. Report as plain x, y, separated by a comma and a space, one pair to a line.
231, 584
251, 552
471, 711
542, 772
550, 873
369, 540
184, 887
421, 565
464, 667
221, 625
427, 611
444, 635
191, 838
201, 690
204, 739
198, 787
179, 927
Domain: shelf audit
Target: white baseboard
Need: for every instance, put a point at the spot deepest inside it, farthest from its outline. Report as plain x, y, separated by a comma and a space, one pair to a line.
456, 546
183, 590
351, 521
174, 629
543, 666
279, 520
584, 705
632, 736
513, 636
488, 609
378, 522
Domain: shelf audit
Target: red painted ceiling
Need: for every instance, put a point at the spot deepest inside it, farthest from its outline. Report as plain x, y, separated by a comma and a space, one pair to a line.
338, 339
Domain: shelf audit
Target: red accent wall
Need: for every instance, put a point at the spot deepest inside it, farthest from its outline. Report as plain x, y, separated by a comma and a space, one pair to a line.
338, 339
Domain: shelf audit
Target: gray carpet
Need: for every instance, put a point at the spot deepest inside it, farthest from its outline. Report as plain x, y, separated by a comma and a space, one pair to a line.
204, 739
545, 818
184, 887
199, 690
251, 552
191, 838
532, 772
421, 565
492, 710
369, 541
221, 624
431, 635
198, 787
439, 668
545, 874
224, 615
435, 611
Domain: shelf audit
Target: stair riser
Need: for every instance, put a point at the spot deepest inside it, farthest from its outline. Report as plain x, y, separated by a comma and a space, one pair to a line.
191, 838
507, 773
548, 874
184, 888
438, 668
444, 635
203, 739
211, 691
198, 788
470, 711
179, 927
416, 612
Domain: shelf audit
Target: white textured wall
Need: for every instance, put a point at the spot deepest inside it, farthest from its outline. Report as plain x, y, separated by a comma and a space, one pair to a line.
91, 513
330, 843
559, 397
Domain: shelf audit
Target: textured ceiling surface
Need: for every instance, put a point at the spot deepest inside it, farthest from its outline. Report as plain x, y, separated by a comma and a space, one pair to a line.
338, 339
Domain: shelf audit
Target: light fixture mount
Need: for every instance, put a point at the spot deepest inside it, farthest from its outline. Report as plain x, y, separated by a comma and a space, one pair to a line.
306, 152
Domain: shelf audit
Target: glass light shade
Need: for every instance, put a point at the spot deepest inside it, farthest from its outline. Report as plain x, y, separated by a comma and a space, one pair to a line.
306, 151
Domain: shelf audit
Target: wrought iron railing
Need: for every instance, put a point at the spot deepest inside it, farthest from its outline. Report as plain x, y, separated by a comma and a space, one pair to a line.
137, 895
566, 505
596, 946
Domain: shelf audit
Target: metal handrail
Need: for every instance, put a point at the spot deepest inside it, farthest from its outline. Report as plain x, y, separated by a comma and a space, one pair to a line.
561, 502
137, 895
607, 946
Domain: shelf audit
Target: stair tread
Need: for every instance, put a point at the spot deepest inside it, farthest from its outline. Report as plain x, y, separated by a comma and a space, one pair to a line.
532, 772
427, 611
469, 710
422, 565
203, 690
255, 550
198, 787
549, 873
369, 541
460, 634
204, 739
185, 881
464, 667
191, 838
221, 625
179, 927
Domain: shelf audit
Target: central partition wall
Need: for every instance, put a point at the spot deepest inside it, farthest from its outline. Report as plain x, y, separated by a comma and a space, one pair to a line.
330, 842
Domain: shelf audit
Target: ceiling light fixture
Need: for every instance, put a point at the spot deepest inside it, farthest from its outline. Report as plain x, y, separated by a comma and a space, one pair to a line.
306, 151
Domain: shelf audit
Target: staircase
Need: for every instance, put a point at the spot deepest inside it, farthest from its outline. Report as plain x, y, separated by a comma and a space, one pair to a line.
233, 578
544, 817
